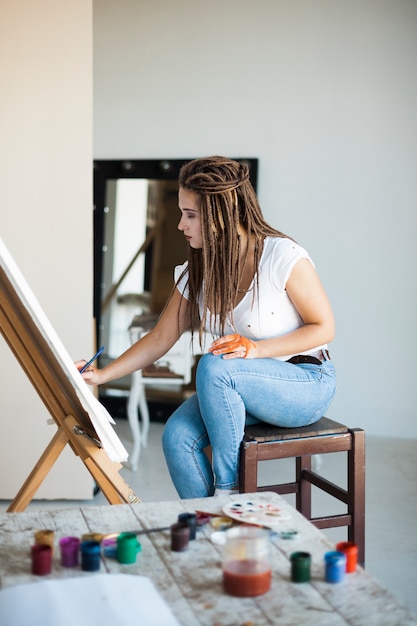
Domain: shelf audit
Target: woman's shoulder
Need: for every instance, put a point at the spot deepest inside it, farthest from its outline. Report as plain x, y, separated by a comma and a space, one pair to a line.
283, 247
279, 256
181, 279
180, 270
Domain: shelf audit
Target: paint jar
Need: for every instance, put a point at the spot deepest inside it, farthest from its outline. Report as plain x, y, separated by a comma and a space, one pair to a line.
246, 561
350, 549
45, 537
202, 519
109, 547
190, 520
41, 559
90, 556
221, 523
128, 547
69, 548
180, 537
300, 567
92, 537
334, 566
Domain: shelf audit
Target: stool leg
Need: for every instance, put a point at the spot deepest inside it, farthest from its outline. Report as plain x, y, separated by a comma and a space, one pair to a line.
356, 489
303, 495
248, 467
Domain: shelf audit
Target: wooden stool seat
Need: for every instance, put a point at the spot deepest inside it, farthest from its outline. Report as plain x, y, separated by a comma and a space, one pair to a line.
263, 442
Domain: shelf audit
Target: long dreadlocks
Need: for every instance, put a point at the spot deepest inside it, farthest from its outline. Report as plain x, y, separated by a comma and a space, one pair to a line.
228, 203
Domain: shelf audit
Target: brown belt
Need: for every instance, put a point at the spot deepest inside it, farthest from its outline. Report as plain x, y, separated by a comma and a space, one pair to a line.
307, 358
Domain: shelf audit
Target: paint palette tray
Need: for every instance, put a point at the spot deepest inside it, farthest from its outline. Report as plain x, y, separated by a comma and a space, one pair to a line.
256, 512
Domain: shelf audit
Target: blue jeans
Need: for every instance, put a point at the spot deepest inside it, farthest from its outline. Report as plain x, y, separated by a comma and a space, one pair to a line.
230, 394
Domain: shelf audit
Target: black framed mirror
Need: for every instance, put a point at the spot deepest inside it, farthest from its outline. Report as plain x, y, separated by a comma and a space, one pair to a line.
136, 242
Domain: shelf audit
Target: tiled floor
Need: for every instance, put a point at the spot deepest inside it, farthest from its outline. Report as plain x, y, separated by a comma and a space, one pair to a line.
391, 501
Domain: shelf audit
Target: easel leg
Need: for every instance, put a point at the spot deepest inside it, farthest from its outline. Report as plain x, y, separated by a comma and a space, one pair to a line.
37, 475
110, 482
104, 471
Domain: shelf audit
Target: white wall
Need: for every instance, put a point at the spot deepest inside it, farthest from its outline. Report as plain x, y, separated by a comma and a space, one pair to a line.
324, 93
46, 212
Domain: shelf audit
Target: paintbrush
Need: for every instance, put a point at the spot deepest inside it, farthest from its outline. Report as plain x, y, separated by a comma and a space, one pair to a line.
142, 531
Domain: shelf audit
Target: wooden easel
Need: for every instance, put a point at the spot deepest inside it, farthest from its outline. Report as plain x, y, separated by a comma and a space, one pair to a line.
56, 389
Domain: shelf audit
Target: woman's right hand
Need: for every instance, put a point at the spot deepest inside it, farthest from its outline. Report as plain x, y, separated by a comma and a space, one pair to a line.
91, 375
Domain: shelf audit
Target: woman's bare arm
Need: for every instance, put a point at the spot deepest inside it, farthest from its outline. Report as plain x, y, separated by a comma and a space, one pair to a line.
306, 292
149, 348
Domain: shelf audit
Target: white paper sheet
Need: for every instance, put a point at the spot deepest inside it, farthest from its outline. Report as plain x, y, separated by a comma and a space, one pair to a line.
99, 416
94, 600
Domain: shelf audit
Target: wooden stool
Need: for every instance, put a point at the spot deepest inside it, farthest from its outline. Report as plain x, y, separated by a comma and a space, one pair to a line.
263, 442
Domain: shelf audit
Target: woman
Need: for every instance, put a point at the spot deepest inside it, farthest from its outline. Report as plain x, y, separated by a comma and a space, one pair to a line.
256, 291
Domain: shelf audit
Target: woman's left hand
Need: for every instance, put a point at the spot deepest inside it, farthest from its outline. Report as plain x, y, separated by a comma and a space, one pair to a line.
234, 347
